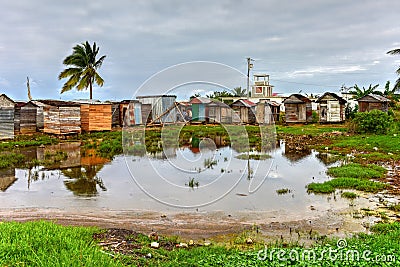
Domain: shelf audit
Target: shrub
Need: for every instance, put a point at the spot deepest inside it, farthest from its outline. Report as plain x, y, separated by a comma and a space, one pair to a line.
374, 121
315, 116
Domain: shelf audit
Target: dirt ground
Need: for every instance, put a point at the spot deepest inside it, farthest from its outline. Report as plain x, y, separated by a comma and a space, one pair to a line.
217, 226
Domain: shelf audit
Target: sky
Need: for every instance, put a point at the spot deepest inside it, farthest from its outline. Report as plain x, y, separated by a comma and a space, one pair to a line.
305, 46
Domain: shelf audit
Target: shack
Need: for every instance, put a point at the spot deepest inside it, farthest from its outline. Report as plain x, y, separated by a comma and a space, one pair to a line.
200, 111
6, 117
115, 114
17, 116
95, 115
267, 112
219, 112
61, 117
298, 108
131, 113
331, 108
162, 107
245, 109
371, 101
28, 118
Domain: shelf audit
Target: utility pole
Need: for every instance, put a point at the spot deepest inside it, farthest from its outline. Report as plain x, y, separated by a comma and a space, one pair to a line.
249, 66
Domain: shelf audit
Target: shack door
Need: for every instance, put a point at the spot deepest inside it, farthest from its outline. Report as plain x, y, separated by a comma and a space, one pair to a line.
302, 112
333, 111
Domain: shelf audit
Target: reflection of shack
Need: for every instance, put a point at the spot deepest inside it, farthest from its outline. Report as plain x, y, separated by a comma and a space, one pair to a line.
28, 118
95, 116
246, 111
298, 108
162, 107
267, 112
60, 117
60, 156
371, 101
219, 112
295, 152
200, 109
17, 116
6, 117
7, 178
327, 158
331, 108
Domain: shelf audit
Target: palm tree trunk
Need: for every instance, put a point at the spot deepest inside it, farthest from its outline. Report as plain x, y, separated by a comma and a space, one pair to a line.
90, 88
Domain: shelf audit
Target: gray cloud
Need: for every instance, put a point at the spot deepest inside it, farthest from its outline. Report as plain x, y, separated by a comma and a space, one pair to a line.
309, 45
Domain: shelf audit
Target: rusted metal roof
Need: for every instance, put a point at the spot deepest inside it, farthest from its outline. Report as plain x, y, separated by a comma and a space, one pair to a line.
340, 99
296, 99
243, 102
368, 97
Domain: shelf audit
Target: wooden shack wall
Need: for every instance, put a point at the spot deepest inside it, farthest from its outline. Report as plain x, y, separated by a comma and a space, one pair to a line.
28, 123
146, 113
96, 117
116, 120
62, 119
17, 119
364, 106
6, 118
70, 120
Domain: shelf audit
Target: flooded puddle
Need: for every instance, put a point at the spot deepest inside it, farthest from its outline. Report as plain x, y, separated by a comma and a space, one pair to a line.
199, 179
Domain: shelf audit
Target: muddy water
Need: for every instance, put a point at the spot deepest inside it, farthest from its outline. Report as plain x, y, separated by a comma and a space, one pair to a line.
161, 182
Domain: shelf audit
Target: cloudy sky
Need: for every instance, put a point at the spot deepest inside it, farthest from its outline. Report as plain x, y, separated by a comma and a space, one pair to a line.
312, 46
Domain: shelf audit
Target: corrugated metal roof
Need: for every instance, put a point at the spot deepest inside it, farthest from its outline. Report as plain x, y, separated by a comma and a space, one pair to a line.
376, 97
244, 102
300, 99
56, 103
340, 99
200, 100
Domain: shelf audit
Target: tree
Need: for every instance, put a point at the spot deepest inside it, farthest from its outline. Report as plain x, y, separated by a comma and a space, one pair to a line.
218, 95
238, 91
83, 66
396, 52
358, 92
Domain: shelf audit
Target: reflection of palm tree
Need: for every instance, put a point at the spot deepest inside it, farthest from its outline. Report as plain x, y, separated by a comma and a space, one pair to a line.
84, 180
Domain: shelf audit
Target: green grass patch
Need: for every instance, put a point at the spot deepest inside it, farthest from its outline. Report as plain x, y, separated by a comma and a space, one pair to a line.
245, 156
395, 208
283, 191
8, 160
349, 195
383, 143
355, 170
346, 183
311, 129
48, 244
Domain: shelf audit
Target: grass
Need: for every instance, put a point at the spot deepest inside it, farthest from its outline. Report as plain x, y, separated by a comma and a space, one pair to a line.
283, 191
349, 195
355, 170
310, 129
383, 143
346, 183
48, 244
245, 156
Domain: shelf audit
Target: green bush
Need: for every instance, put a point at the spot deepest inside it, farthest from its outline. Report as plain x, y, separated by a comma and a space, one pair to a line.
374, 121
315, 117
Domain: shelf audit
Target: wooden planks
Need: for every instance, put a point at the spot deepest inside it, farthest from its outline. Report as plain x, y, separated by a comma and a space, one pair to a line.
96, 117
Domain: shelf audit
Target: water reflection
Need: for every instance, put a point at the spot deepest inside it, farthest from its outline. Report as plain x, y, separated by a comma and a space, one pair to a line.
210, 168
296, 154
7, 178
83, 181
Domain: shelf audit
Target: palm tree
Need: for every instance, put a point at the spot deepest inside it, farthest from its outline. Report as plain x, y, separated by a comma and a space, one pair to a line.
396, 52
238, 91
358, 92
82, 72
